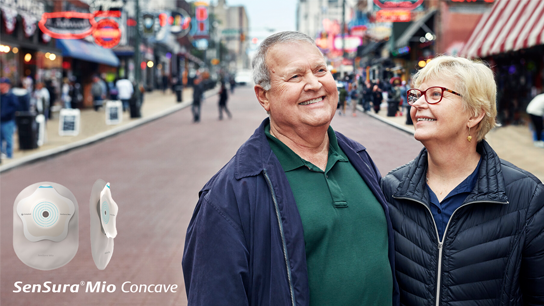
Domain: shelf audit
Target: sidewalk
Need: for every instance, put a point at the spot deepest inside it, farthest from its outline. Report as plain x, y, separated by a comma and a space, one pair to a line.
93, 126
512, 143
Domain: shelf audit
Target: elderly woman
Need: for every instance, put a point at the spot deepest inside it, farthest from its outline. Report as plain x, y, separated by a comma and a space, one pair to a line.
469, 227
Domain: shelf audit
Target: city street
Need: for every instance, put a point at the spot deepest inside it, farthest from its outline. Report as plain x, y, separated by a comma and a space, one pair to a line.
155, 172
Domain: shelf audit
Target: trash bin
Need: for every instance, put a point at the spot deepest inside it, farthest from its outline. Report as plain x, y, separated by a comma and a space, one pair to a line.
134, 104
392, 108
27, 130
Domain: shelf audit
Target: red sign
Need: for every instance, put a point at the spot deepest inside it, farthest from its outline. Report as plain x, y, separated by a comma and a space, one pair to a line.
393, 16
107, 33
392, 4
70, 25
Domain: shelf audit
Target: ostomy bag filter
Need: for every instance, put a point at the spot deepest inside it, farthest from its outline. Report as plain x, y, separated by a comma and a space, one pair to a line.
45, 226
103, 211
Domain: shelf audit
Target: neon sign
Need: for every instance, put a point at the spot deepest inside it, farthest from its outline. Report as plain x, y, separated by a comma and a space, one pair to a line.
396, 4
68, 25
107, 33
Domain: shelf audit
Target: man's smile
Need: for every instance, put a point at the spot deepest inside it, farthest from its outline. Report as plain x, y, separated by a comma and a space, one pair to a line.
312, 101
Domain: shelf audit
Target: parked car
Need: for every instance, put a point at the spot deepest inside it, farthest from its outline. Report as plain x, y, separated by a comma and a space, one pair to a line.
244, 77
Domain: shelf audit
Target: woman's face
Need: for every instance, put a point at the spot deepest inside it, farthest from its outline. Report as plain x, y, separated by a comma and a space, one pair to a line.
443, 122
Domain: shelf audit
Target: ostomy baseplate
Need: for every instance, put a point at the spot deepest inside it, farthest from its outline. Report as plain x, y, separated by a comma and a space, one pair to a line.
103, 211
45, 226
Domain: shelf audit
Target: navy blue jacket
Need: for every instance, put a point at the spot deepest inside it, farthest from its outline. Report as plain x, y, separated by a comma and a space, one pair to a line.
245, 242
9, 105
492, 252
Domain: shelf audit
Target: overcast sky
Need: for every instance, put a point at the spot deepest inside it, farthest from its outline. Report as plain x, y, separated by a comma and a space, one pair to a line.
278, 15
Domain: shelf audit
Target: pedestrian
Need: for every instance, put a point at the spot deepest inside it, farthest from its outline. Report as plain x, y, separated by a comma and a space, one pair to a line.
124, 92
23, 97
232, 83
393, 98
197, 98
77, 95
354, 99
51, 86
42, 100
367, 95
535, 109
468, 225
296, 217
8, 107
164, 82
377, 98
223, 97
98, 93
342, 94
66, 95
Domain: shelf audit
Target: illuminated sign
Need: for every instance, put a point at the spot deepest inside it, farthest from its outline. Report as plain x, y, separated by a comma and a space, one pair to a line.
200, 25
201, 44
72, 25
358, 30
106, 5
107, 33
351, 43
393, 16
398, 4
148, 23
181, 22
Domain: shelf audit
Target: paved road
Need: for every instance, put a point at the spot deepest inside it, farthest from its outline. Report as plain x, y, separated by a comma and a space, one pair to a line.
155, 173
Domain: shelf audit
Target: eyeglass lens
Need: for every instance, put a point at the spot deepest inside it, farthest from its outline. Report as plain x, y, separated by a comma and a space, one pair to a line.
432, 95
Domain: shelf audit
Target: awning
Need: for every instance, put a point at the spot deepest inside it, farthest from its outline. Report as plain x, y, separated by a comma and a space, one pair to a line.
404, 39
88, 52
509, 26
368, 48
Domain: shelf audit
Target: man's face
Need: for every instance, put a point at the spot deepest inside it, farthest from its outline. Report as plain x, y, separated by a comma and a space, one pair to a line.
4, 87
303, 93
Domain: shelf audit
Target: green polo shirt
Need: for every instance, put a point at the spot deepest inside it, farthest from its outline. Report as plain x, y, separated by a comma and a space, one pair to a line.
345, 230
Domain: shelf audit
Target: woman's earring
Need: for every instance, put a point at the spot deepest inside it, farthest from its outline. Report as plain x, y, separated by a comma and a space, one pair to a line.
469, 138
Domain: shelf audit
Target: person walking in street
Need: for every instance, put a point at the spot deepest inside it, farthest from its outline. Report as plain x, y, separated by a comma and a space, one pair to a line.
97, 90
297, 216
223, 97
468, 225
535, 109
232, 83
23, 97
125, 90
8, 107
342, 94
198, 91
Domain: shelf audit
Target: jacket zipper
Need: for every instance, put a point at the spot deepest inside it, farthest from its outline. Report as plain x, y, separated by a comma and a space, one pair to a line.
284, 244
441, 242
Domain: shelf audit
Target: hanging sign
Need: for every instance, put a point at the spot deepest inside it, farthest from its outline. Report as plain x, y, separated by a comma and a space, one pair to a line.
396, 4
10, 19
148, 24
67, 25
107, 33
181, 23
393, 16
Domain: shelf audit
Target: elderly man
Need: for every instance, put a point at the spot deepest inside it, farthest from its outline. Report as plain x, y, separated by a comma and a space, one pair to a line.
8, 107
297, 216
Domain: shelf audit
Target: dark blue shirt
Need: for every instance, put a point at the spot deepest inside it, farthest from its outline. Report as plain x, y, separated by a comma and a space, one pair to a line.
442, 211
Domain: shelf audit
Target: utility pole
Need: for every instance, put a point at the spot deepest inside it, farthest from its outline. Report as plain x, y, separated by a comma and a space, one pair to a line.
343, 28
137, 53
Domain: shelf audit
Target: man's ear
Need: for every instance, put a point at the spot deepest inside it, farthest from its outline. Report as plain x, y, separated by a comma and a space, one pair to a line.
262, 96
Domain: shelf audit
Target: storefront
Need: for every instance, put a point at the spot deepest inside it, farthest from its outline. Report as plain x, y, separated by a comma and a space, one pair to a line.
83, 60
515, 52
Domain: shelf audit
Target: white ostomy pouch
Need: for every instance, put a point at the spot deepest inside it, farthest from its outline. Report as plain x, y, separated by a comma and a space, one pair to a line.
45, 226
103, 210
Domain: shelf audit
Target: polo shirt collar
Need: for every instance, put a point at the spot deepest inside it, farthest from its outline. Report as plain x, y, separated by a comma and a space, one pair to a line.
291, 161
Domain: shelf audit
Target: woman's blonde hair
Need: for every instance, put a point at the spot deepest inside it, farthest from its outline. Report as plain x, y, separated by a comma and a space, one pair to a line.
473, 80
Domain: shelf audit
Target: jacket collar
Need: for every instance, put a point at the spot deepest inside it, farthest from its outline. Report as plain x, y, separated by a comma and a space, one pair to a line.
253, 156
489, 187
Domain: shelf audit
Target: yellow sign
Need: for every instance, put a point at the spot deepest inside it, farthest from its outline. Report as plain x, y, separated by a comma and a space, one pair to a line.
215, 61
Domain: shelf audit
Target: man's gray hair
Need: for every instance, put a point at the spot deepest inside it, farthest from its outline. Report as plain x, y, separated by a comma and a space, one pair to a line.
261, 75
